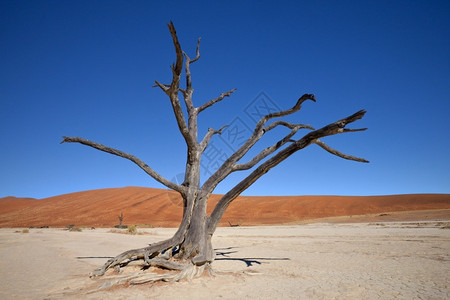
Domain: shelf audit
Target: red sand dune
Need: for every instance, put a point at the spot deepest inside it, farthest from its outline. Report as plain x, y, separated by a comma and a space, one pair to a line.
159, 207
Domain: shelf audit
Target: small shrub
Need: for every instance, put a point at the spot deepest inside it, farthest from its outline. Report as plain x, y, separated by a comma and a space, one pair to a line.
446, 225
25, 230
71, 227
239, 222
132, 229
144, 226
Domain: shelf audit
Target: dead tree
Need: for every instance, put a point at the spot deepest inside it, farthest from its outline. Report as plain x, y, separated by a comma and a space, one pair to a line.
189, 250
120, 219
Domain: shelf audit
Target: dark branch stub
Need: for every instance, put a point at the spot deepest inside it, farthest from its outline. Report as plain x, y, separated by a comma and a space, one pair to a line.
189, 251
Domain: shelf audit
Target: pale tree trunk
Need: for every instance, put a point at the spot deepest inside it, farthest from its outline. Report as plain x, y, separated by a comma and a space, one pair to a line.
190, 250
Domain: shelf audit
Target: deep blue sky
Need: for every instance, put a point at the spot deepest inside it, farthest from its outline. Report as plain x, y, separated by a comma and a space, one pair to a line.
86, 68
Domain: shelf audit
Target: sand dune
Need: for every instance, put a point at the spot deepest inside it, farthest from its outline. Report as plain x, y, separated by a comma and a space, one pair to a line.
159, 207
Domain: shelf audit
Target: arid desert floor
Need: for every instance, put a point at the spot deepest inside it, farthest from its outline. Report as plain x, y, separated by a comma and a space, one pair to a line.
389, 260
163, 208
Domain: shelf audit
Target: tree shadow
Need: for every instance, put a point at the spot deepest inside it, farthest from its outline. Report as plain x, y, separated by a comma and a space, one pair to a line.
93, 257
249, 261
222, 253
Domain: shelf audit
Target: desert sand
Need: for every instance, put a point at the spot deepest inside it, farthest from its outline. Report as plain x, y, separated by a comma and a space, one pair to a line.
389, 260
328, 247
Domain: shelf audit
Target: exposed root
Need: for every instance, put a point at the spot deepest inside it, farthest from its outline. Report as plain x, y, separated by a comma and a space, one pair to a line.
147, 254
135, 275
188, 272
119, 259
165, 264
159, 255
211, 271
166, 255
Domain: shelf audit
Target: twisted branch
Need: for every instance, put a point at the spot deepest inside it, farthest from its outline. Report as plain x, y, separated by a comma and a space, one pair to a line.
269, 150
229, 165
174, 88
286, 124
337, 153
178, 65
130, 157
214, 101
187, 94
309, 138
211, 132
163, 87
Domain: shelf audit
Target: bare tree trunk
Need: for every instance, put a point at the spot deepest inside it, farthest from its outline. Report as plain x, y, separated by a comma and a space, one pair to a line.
197, 243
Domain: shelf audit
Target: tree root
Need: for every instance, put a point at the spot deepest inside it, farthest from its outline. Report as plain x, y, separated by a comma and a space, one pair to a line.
147, 254
106, 282
165, 255
188, 272
158, 255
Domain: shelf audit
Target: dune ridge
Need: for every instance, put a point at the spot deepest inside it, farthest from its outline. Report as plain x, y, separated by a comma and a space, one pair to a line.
160, 207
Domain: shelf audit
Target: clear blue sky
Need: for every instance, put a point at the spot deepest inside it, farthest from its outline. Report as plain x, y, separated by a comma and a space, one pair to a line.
86, 68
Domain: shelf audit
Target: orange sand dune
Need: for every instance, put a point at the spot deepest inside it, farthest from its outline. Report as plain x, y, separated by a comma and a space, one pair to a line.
159, 207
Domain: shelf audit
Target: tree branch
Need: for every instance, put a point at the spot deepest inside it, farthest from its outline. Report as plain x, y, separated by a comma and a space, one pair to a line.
214, 101
283, 113
134, 159
198, 51
211, 132
187, 93
286, 124
188, 64
260, 130
177, 67
174, 88
309, 138
228, 166
269, 150
337, 153
163, 87
189, 90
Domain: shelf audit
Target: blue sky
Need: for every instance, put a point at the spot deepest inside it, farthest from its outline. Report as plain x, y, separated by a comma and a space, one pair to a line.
86, 68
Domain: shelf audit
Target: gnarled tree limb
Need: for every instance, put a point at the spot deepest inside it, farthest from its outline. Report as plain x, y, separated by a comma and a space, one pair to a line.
187, 65
229, 165
178, 65
187, 93
163, 87
337, 153
211, 132
309, 138
269, 150
134, 159
286, 124
174, 88
214, 101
